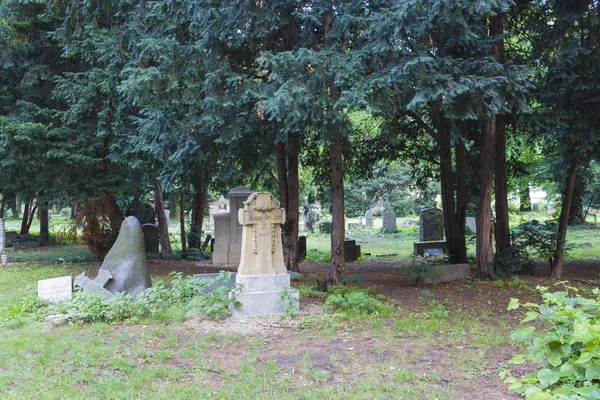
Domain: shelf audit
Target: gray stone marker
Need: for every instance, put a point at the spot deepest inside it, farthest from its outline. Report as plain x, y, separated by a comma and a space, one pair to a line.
125, 269
389, 221
369, 219
431, 221
471, 223
55, 290
3, 256
151, 238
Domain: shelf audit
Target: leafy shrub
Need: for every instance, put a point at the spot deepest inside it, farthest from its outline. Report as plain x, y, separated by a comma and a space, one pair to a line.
207, 296
567, 350
530, 240
354, 303
325, 227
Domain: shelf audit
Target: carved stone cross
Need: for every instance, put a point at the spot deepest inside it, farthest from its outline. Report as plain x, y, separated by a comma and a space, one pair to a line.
262, 252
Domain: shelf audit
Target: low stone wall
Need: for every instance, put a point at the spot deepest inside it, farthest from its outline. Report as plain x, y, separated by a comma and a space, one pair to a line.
446, 273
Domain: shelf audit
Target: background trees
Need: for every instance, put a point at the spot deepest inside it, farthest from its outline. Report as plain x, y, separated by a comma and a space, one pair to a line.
103, 102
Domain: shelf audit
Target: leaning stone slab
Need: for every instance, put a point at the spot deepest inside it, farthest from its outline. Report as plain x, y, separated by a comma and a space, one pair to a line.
96, 285
126, 260
55, 290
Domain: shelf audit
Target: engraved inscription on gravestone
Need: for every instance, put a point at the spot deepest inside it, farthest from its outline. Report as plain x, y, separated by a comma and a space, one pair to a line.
56, 289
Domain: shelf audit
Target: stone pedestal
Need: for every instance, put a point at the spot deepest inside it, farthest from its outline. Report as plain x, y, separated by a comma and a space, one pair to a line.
265, 294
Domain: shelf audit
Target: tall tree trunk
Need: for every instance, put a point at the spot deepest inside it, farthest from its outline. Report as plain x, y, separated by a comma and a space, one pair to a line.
461, 190
293, 210
455, 239
115, 215
24, 227
334, 129
32, 212
577, 212
502, 225
163, 224
2, 206
338, 263
198, 210
563, 221
44, 226
485, 249
524, 196
182, 222
287, 172
282, 174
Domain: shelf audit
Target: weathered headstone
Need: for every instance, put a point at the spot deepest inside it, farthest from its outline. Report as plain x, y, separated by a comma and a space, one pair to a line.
471, 223
369, 219
265, 282
431, 221
351, 250
352, 226
125, 269
301, 248
151, 238
389, 221
56, 289
3, 256
126, 260
228, 231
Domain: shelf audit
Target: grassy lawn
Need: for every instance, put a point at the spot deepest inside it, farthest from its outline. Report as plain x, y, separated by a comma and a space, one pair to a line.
445, 342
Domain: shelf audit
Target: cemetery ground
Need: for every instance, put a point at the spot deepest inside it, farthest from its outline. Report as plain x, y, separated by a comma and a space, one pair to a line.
445, 341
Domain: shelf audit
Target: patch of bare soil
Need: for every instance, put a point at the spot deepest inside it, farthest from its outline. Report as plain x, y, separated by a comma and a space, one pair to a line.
341, 355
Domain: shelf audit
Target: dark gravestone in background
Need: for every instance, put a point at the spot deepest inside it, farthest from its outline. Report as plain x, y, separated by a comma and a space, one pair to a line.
301, 248
151, 238
431, 222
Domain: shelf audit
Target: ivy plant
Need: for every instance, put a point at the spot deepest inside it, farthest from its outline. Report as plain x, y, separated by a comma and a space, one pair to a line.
565, 350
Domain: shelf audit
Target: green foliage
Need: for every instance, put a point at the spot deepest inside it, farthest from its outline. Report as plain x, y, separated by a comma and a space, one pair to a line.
531, 240
353, 303
206, 296
566, 349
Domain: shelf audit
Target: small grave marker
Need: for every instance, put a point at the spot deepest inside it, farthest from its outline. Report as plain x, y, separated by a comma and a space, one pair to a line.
55, 290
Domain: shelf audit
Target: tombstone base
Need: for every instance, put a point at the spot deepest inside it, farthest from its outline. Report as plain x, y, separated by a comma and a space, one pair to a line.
262, 295
419, 247
446, 273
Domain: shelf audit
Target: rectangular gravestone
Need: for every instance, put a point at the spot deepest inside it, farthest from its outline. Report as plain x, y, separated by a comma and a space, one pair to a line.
56, 289
351, 250
301, 248
151, 238
471, 224
352, 226
431, 221
389, 221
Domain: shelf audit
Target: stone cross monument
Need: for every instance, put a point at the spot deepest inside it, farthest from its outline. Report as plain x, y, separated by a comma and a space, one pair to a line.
265, 281
262, 252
